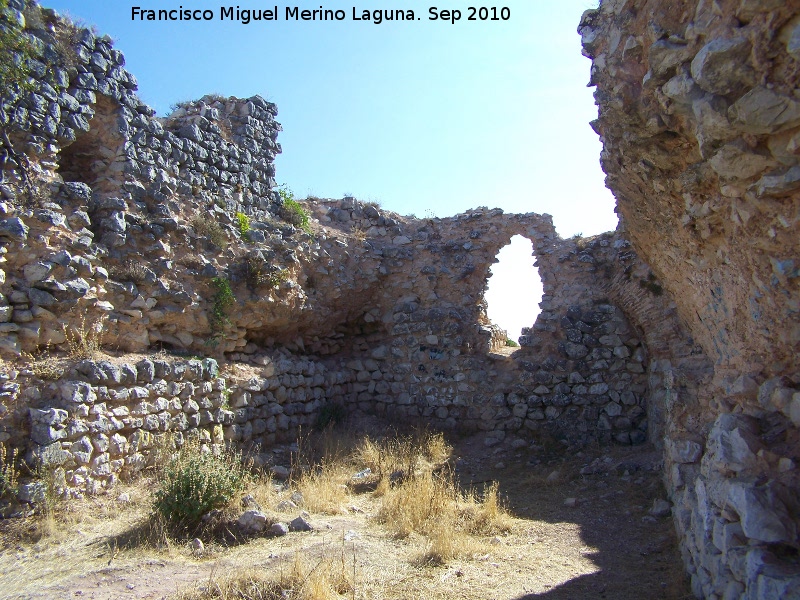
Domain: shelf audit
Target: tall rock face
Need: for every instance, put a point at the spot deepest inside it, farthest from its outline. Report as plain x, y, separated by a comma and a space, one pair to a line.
699, 115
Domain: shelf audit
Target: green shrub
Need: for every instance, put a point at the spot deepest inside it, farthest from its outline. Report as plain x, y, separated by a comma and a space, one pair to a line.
195, 482
511, 343
244, 225
223, 298
210, 229
15, 53
292, 211
258, 272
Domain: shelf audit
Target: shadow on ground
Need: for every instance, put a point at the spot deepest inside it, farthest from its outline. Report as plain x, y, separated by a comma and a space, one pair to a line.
636, 555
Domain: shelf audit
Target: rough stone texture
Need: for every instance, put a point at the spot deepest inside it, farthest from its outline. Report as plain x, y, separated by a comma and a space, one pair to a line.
680, 327
699, 119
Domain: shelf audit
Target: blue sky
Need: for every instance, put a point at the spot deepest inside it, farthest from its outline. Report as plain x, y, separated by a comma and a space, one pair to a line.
422, 116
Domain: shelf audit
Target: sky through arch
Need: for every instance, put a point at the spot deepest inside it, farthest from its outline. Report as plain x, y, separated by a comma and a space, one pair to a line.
515, 288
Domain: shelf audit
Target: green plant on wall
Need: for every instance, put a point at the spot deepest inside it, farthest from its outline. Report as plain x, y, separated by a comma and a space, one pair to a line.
291, 210
16, 54
244, 225
16, 51
222, 299
258, 272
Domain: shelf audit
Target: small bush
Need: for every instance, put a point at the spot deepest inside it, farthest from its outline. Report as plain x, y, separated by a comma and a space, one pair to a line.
197, 481
244, 225
223, 298
210, 229
130, 270
15, 53
258, 272
84, 340
45, 366
511, 343
291, 210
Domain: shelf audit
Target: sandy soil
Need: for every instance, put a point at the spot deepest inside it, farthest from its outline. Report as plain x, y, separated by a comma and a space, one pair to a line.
606, 545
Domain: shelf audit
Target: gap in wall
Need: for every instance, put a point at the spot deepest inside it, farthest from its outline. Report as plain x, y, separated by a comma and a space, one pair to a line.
515, 288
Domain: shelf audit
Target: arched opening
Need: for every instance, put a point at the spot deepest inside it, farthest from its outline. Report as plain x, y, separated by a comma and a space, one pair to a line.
513, 292
96, 157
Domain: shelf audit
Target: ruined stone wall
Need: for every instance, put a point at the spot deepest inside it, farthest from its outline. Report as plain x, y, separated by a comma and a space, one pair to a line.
698, 109
101, 420
85, 119
424, 352
677, 328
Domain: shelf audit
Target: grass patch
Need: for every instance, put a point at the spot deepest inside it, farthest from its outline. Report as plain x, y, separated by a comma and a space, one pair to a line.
329, 577
44, 366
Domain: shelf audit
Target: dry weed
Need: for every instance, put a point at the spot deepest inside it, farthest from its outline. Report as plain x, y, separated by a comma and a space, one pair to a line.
403, 456
44, 366
324, 488
84, 340
327, 578
431, 504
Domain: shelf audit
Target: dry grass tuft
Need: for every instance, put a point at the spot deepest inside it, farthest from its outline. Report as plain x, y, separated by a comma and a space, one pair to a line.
45, 366
84, 340
326, 578
397, 458
324, 488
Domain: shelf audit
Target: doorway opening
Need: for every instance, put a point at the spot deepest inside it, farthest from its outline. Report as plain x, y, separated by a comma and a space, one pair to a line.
513, 293
96, 157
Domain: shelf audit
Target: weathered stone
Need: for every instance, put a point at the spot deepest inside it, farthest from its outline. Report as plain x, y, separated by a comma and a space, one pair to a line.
300, 524
763, 516
14, 229
685, 451
762, 110
252, 521
732, 444
721, 66
735, 161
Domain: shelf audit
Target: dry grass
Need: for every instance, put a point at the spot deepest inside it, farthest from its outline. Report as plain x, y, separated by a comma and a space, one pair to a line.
84, 340
45, 366
455, 542
327, 578
325, 488
210, 229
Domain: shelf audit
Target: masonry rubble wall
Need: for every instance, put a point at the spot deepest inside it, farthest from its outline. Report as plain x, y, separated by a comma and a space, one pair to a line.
679, 328
142, 223
698, 107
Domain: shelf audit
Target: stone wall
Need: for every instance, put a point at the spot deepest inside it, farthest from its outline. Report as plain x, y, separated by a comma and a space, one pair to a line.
155, 235
85, 119
698, 109
102, 420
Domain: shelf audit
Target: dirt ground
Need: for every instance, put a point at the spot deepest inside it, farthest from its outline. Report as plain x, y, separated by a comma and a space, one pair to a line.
574, 536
